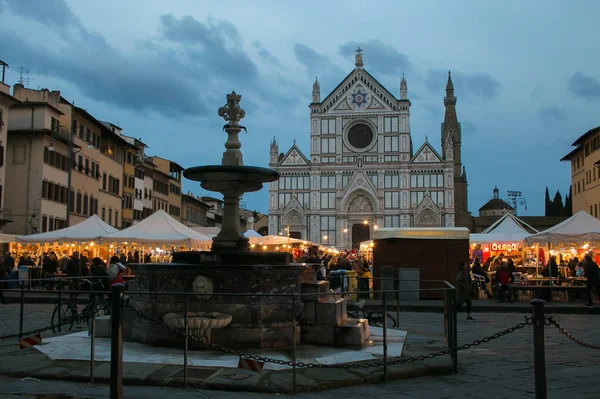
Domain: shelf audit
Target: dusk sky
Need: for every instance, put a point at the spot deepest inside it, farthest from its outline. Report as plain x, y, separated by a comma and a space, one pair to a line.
526, 74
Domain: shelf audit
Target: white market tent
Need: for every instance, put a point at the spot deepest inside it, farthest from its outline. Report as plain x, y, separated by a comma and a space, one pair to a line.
276, 240
7, 238
252, 233
91, 229
507, 229
578, 229
159, 228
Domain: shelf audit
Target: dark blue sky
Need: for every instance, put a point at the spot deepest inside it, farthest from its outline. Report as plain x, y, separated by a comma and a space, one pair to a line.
525, 73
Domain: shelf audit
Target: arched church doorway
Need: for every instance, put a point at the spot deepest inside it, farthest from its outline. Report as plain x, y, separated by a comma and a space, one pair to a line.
360, 232
296, 234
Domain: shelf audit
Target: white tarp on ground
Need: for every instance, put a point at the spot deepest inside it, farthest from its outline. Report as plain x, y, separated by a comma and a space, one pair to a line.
90, 229
576, 230
159, 228
507, 229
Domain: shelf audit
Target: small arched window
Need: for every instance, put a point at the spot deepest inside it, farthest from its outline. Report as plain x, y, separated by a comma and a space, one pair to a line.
78, 202
85, 204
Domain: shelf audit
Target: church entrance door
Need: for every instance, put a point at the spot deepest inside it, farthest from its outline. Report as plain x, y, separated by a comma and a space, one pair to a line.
360, 232
296, 234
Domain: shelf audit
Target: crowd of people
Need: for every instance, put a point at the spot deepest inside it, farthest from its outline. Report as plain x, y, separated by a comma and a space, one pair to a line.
349, 260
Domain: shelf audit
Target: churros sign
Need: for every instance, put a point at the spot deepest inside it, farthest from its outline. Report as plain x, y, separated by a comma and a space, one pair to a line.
504, 247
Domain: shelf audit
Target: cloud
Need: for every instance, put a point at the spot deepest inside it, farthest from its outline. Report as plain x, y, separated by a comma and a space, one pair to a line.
551, 115
537, 91
319, 65
471, 86
190, 65
379, 58
266, 55
584, 86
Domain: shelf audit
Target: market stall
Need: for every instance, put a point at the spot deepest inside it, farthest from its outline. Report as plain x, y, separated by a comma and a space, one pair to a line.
157, 236
504, 237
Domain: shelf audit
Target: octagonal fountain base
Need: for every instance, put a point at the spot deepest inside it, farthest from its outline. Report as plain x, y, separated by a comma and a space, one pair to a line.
257, 321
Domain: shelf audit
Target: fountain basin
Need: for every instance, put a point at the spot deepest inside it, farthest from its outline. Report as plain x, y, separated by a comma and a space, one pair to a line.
200, 324
231, 178
257, 321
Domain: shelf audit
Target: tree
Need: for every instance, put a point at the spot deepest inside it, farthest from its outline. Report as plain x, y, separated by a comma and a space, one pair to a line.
557, 204
568, 209
548, 204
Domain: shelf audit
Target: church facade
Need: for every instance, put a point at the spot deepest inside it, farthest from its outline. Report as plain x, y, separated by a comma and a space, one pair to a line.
362, 171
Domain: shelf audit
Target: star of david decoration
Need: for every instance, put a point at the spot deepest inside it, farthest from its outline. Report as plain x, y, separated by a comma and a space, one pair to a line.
359, 98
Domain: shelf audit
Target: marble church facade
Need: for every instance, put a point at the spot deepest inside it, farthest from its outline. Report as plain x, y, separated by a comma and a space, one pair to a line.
362, 172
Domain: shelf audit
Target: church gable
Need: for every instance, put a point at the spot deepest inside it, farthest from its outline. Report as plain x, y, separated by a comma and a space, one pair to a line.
359, 182
426, 154
427, 213
359, 91
293, 212
294, 157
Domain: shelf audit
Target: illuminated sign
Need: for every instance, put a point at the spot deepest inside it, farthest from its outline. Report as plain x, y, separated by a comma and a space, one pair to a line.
504, 247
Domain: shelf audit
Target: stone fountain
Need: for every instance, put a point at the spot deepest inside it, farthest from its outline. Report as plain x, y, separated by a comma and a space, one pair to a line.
229, 279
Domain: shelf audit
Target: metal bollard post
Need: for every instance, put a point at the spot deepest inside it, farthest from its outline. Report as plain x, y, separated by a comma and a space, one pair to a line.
384, 305
22, 310
185, 350
93, 334
294, 344
454, 331
116, 340
539, 349
59, 301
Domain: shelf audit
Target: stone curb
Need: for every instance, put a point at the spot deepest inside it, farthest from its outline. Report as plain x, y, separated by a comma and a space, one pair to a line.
31, 363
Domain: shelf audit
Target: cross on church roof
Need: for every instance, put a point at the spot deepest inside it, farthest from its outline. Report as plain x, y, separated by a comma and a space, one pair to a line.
426, 152
359, 50
359, 57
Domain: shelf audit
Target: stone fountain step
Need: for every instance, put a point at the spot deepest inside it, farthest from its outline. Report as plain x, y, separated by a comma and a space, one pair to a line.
331, 312
312, 292
354, 333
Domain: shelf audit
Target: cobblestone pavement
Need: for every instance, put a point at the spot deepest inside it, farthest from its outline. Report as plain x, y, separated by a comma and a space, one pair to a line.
502, 368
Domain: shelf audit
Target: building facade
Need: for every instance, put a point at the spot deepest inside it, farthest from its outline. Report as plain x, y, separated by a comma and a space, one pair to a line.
193, 211
36, 178
585, 175
214, 215
362, 172
167, 186
6, 101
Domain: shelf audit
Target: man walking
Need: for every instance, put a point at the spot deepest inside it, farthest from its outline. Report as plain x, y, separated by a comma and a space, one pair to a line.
592, 272
463, 288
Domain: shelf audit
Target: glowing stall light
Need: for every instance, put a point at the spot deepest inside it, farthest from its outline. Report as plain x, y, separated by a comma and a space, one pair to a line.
365, 221
345, 230
586, 245
375, 227
253, 245
264, 247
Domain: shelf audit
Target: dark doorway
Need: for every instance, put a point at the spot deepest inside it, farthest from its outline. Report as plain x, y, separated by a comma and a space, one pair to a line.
360, 233
295, 234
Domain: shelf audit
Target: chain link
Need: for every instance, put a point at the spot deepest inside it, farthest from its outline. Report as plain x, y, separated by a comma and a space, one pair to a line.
69, 320
127, 304
549, 321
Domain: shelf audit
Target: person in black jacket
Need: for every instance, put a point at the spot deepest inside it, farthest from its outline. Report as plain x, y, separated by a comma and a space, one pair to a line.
478, 270
74, 272
592, 272
101, 282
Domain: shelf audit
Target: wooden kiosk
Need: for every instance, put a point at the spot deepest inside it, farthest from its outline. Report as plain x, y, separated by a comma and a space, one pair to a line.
435, 251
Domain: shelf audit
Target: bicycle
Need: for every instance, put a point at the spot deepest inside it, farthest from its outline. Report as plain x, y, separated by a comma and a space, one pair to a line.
357, 310
68, 310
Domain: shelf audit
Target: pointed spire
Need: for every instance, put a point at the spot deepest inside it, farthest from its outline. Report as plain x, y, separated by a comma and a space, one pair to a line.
403, 89
426, 138
496, 192
316, 91
294, 141
449, 99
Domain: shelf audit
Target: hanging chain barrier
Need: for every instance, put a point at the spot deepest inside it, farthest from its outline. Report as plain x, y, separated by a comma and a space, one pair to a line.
68, 320
549, 321
127, 304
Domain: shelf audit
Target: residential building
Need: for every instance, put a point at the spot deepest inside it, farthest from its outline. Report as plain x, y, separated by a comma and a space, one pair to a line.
148, 185
361, 171
214, 215
133, 179
35, 177
194, 211
585, 176
167, 186
97, 173
6, 101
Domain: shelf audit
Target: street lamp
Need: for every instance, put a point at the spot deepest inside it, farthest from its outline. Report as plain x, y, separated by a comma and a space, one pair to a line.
516, 199
72, 152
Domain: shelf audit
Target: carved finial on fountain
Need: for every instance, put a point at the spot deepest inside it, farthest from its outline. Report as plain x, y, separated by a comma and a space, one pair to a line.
232, 113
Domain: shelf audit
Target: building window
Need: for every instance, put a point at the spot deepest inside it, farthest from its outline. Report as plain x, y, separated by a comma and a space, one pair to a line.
391, 199
51, 223
345, 180
328, 126
110, 216
392, 221
78, 201
391, 181
390, 125
85, 204
103, 214
327, 200
390, 144
328, 182
44, 223
428, 180
104, 178
328, 145
328, 230
116, 218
